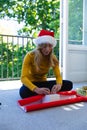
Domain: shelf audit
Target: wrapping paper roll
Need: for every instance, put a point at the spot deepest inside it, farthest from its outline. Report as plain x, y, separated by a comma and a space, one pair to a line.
41, 102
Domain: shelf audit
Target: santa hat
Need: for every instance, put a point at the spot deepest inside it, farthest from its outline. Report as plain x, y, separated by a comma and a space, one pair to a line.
45, 36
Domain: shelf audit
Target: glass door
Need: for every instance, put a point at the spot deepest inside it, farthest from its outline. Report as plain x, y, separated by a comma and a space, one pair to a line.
73, 39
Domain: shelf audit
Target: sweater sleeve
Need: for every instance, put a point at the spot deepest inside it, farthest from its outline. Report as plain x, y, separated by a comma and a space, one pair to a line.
57, 74
25, 72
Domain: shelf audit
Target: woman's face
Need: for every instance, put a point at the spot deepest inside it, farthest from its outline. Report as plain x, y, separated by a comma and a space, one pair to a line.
46, 49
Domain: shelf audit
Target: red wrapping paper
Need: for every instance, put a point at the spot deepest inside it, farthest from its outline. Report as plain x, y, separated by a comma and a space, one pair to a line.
35, 102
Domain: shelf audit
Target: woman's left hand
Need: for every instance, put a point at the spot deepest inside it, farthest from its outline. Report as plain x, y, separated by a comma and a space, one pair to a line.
55, 88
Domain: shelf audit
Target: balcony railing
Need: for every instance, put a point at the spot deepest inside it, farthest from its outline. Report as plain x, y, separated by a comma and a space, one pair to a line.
12, 52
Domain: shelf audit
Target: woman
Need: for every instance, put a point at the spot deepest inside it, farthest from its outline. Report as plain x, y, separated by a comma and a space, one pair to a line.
36, 65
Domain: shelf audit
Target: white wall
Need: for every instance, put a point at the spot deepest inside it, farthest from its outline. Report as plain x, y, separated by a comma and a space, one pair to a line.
77, 63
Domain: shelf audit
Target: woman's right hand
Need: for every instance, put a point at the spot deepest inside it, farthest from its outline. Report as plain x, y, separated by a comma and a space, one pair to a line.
45, 91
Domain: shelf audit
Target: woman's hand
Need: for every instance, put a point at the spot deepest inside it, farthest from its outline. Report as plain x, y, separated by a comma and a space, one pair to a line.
45, 91
55, 88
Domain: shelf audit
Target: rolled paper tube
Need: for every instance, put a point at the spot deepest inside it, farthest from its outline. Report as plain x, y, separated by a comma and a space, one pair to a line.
28, 104
73, 92
53, 104
26, 101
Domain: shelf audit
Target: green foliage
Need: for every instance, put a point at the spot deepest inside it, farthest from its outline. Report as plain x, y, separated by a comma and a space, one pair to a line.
35, 14
75, 20
38, 14
11, 59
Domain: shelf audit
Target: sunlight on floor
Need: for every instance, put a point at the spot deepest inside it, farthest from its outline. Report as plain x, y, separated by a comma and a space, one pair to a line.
7, 85
74, 106
15, 84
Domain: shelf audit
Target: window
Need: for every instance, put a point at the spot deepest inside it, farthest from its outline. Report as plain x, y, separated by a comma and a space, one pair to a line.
75, 22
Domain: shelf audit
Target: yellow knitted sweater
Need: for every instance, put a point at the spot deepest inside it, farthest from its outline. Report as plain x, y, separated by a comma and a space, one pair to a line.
30, 74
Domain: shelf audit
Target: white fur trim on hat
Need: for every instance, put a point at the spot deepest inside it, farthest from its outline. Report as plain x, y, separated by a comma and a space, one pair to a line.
45, 39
